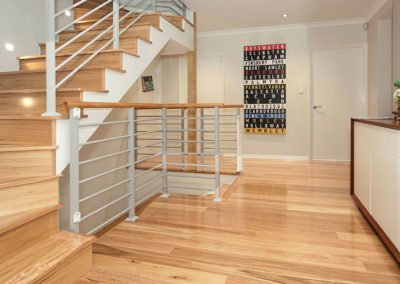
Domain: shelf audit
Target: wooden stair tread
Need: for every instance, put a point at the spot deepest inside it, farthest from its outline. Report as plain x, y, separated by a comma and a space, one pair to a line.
34, 263
20, 148
10, 222
29, 91
44, 71
129, 17
69, 54
9, 182
135, 25
85, 53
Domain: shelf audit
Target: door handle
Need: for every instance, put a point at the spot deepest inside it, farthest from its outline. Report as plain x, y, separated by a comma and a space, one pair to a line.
316, 107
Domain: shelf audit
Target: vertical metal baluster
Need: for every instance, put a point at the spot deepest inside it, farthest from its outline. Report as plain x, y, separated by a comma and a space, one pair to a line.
217, 177
182, 138
239, 161
131, 169
74, 214
202, 138
116, 24
164, 154
51, 109
184, 11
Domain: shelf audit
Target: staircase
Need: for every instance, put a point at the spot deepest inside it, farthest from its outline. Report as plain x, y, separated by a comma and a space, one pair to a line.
34, 149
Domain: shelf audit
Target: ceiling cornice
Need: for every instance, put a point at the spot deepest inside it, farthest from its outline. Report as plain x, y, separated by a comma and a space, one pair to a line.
375, 9
282, 27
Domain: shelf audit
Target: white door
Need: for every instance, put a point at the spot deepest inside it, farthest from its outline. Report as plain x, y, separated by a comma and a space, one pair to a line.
210, 79
338, 93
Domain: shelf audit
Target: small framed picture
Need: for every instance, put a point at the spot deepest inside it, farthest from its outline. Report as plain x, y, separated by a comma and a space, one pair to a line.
147, 84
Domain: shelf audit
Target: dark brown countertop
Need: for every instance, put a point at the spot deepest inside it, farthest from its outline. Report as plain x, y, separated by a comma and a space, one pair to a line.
387, 123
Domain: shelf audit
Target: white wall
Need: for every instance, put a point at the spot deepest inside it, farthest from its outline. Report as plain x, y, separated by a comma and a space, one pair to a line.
22, 23
299, 40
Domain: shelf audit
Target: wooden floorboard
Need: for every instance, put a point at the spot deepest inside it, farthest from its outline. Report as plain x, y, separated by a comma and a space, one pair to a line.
281, 222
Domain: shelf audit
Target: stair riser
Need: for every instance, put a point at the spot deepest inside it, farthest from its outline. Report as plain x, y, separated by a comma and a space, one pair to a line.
27, 132
86, 79
28, 234
94, 16
21, 198
27, 163
103, 60
72, 269
16, 103
129, 44
139, 30
154, 20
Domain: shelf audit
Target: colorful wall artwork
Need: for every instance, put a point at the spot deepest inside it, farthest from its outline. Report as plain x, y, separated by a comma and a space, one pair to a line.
265, 89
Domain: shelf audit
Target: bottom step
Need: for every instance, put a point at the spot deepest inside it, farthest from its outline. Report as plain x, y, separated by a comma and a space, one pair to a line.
61, 258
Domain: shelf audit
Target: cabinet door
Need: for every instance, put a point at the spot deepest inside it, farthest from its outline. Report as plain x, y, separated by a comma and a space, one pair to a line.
362, 173
384, 192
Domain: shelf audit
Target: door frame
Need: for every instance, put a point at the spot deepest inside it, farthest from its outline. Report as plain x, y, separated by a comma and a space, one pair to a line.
364, 46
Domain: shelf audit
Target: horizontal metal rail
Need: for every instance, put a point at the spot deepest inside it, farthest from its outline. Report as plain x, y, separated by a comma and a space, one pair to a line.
190, 141
148, 171
147, 158
69, 8
190, 153
170, 8
82, 17
191, 187
211, 176
133, 22
148, 197
191, 165
82, 64
146, 132
143, 186
104, 173
148, 145
104, 140
83, 32
104, 207
152, 119
131, 11
103, 123
104, 190
103, 157
190, 130
80, 50
109, 221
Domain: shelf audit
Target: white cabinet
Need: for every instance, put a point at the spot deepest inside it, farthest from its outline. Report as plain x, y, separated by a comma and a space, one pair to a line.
377, 175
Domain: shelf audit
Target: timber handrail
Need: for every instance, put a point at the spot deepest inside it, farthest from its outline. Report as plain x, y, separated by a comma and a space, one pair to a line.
70, 105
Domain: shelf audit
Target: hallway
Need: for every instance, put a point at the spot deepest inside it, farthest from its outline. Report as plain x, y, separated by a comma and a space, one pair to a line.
281, 222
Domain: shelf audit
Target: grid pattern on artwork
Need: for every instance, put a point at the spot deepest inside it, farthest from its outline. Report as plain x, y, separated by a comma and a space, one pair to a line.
265, 89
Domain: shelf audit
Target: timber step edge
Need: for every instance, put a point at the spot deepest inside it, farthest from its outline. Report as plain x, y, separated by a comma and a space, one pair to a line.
41, 262
8, 223
5, 183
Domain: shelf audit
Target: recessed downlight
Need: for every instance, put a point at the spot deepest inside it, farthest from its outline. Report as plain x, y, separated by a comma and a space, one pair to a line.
285, 16
9, 46
68, 13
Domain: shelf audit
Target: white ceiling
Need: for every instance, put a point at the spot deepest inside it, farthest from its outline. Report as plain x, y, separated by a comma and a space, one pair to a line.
213, 15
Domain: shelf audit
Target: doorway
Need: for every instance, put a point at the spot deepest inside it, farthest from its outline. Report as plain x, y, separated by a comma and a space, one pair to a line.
338, 92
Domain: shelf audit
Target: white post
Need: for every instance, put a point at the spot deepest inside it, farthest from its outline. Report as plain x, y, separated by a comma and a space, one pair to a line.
50, 60
216, 162
239, 159
116, 24
74, 213
131, 169
164, 154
